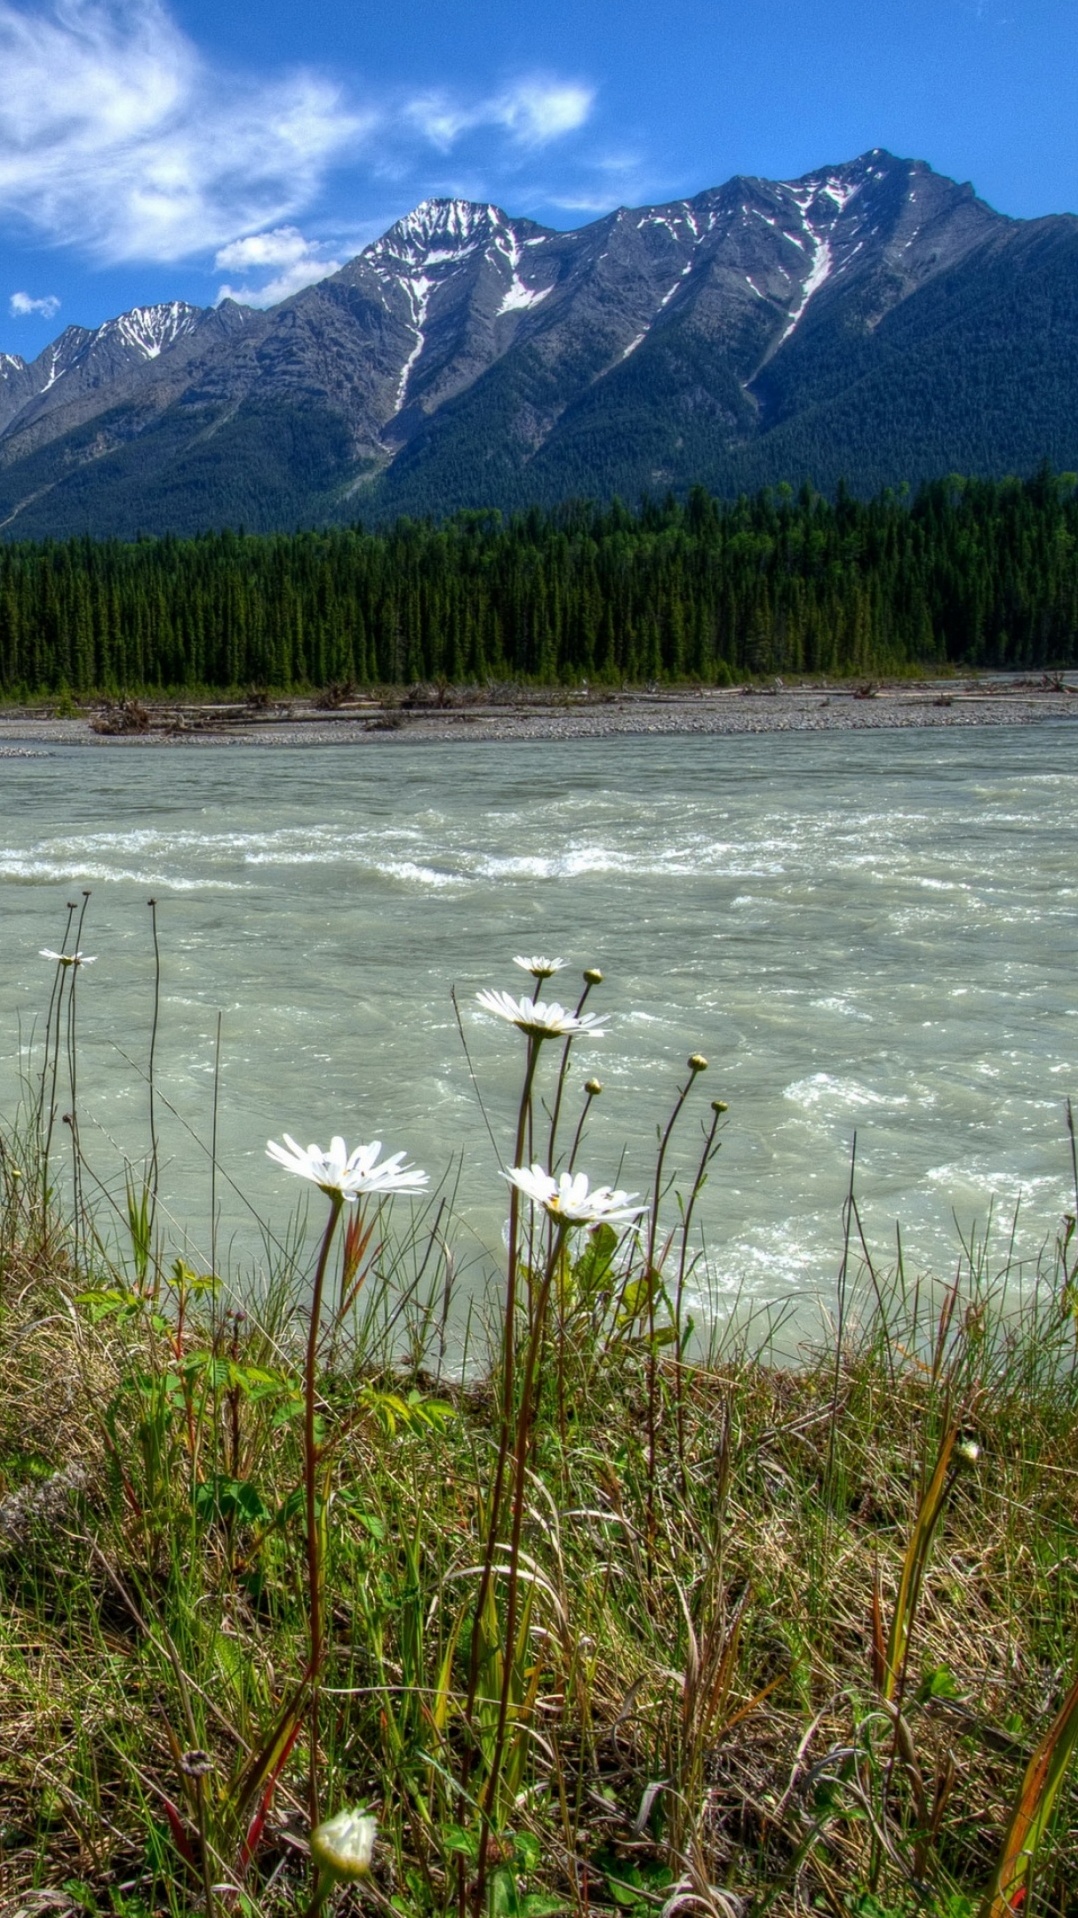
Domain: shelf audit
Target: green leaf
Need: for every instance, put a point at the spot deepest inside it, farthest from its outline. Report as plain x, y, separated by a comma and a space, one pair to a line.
456, 1841
937, 1684
526, 1851
592, 1271
224, 1498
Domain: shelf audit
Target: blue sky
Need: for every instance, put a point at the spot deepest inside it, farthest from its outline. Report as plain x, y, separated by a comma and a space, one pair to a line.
153, 151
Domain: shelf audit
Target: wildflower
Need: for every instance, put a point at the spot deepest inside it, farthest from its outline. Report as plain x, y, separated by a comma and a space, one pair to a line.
539, 967
347, 1175
568, 1200
342, 1846
537, 1018
593, 976
69, 958
967, 1452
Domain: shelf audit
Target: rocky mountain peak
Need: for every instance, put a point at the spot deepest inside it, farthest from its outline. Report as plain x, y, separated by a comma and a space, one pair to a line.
438, 230
148, 330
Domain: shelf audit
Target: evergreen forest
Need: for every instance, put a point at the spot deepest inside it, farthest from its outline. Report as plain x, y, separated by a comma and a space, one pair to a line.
965, 573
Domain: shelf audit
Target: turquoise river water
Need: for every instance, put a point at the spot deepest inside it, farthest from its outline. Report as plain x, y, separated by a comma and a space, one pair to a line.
870, 933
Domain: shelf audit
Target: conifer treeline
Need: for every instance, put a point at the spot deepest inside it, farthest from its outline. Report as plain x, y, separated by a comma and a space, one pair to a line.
979, 573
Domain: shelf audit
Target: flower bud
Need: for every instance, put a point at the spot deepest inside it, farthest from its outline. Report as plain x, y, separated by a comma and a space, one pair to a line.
342, 1846
697, 1062
967, 1452
593, 1087
593, 976
720, 1106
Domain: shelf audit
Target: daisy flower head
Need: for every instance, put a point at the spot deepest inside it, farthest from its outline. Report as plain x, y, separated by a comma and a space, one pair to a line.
347, 1175
568, 1201
342, 1846
534, 1016
68, 958
539, 967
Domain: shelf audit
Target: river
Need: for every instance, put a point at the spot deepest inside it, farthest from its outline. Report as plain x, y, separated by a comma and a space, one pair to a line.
870, 934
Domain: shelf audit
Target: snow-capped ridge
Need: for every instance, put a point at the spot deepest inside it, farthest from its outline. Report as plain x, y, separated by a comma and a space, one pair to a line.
149, 329
438, 231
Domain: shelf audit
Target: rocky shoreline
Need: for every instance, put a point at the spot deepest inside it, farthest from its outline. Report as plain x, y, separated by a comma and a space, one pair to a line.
994, 700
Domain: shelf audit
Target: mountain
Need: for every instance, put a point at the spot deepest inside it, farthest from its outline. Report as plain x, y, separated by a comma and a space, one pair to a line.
873, 322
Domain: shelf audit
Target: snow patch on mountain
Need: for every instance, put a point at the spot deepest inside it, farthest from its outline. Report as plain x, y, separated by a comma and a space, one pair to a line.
418, 290
149, 329
819, 271
520, 296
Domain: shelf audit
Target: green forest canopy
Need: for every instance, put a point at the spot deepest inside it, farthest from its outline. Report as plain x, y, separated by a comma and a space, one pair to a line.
968, 573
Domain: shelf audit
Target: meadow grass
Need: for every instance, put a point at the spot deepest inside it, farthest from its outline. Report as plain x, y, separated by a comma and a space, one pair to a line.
610, 1613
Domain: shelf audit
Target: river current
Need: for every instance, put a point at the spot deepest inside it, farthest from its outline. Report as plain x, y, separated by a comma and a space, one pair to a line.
863, 933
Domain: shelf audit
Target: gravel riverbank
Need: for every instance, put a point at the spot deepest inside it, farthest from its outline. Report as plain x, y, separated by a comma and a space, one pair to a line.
998, 700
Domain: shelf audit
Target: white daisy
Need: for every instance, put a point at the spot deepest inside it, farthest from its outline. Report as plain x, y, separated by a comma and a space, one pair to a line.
536, 1017
69, 958
568, 1199
539, 967
344, 1174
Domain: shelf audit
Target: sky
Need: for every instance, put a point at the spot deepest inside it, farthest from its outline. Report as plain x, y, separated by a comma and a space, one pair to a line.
191, 149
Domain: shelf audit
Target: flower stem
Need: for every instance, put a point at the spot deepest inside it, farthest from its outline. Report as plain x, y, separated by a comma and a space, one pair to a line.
521, 1450
508, 1359
311, 1458
652, 1280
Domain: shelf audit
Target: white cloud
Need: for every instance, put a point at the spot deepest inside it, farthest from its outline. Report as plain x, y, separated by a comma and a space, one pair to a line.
118, 136
534, 111
538, 111
299, 261
121, 138
21, 306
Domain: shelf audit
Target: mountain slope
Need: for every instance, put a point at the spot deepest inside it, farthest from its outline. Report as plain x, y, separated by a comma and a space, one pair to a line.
872, 321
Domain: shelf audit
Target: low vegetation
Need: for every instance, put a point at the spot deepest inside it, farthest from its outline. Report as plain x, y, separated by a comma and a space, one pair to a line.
567, 1605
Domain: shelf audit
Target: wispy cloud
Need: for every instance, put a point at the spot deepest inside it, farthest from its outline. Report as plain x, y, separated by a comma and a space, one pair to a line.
22, 307
121, 138
298, 263
534, 111
117, 135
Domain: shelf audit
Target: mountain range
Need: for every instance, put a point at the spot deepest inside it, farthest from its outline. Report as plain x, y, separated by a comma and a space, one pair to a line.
872, 322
